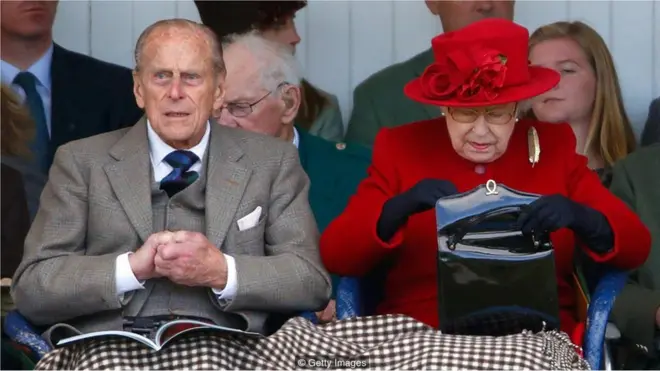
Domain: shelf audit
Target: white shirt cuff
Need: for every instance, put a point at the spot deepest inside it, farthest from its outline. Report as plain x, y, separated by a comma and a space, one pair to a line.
229, 291
125, 280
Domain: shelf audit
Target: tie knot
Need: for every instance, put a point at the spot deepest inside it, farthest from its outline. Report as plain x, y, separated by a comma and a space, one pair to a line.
26, 80
182, 160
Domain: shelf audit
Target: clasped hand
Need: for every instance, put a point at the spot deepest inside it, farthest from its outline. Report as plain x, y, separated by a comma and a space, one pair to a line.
421, 197
548, 214
186, 258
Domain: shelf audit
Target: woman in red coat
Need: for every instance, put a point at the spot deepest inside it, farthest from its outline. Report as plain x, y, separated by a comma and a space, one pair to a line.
480, 77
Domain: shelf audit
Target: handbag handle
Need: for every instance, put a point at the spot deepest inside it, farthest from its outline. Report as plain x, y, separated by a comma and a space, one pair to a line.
462, 227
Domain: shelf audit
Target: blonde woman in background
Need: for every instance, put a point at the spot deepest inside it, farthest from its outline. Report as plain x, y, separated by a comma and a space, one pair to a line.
588, 96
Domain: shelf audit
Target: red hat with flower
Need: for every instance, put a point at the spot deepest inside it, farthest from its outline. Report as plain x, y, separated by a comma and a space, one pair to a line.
483, 64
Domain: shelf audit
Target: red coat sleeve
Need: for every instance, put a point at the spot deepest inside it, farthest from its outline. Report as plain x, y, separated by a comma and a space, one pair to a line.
349, 245
632, 240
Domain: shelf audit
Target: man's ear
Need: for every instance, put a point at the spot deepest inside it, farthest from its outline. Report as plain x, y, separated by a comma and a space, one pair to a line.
291, 97
219, 95
138, 90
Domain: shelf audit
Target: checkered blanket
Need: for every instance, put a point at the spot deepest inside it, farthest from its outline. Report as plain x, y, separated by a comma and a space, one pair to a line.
378, 342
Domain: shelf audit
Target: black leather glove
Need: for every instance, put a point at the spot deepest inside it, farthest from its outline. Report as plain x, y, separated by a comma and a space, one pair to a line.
421, 197
550, 213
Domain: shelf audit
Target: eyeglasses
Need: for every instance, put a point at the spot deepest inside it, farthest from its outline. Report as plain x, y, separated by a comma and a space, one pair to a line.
497, 116
245, 109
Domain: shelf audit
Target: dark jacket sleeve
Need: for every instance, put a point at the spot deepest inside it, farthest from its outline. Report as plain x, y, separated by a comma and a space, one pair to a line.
124, 112
634, 314
651, 133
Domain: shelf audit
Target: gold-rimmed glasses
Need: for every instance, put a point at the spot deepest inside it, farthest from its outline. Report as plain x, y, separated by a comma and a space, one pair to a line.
499, 115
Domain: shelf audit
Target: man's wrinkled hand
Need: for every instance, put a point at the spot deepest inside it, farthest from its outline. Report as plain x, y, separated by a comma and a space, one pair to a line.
190, 259
142, 260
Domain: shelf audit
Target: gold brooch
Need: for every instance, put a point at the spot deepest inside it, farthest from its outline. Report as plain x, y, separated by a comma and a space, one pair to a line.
533, 146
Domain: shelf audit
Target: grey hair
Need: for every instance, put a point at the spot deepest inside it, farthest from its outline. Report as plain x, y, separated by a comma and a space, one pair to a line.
277, 63
180, 23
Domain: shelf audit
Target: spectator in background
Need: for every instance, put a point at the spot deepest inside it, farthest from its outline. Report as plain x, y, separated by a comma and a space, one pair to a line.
636, 311
588, 96
651, 133
70, 96
379, 102
319, 112
334, 170
17, 130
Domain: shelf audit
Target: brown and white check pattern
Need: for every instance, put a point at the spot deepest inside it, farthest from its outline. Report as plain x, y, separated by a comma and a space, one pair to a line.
379, 342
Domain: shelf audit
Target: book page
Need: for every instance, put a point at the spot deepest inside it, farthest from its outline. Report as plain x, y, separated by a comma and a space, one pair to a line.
98, 334
162, 336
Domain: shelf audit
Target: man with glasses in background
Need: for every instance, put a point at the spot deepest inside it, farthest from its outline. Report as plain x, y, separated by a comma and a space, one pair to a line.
268, 102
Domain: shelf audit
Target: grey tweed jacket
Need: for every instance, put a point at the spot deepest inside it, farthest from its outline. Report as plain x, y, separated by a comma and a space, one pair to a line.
96, 206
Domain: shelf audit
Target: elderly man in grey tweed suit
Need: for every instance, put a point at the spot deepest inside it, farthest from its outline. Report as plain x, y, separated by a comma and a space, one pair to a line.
173, 216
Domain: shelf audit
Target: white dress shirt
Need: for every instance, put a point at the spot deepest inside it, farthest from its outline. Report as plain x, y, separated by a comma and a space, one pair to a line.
158, 149
41, 70
296, 138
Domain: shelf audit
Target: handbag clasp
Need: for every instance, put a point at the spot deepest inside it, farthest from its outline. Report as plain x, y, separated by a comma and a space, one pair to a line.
491, 188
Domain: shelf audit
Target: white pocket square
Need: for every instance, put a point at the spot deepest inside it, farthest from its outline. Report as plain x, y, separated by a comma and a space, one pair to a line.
250, 220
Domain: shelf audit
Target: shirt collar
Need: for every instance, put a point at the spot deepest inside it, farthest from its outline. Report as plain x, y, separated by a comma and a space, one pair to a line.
40, 69
159, 149
296, 138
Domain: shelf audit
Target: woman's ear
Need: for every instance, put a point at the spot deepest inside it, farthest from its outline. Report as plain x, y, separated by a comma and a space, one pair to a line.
291, 98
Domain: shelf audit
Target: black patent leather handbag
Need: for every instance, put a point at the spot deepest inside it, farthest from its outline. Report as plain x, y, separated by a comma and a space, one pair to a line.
493, 279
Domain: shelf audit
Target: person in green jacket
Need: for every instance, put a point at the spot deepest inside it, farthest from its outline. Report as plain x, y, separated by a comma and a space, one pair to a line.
268, 103
636, 312
319, 112
379, 101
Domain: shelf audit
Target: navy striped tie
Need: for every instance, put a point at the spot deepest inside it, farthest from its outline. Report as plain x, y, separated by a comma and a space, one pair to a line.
177, 180
41, 142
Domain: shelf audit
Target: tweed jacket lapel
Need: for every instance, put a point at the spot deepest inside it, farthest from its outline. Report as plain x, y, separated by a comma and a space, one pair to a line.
226, 181
131, 176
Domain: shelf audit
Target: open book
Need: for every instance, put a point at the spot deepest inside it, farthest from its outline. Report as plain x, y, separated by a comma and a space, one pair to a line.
162, 335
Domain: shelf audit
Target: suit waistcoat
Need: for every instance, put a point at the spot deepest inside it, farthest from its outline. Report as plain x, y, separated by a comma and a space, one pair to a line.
183, 211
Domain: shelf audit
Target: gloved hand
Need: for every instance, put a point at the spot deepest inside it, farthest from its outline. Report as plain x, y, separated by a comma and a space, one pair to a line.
421, 197
550, 213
